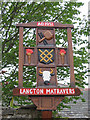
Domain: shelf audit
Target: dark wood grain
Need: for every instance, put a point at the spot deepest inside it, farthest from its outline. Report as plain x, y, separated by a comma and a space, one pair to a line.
34, 25
53, 79
66, 58
72, 77
21, 58
43, 31
33, 57
47, 103
46, 115
77, 92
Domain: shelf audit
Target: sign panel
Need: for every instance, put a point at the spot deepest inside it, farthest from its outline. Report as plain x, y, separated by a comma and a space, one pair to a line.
47, 91
45, 23
46, 56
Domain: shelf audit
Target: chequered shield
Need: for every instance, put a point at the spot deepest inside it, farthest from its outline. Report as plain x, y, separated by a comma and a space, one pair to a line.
46, 56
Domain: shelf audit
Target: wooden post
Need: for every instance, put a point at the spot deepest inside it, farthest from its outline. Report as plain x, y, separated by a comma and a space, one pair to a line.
46, 115
46, 101
20, 73
72, 77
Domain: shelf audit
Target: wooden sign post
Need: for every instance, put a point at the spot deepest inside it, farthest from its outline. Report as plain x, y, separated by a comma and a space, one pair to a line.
46, 57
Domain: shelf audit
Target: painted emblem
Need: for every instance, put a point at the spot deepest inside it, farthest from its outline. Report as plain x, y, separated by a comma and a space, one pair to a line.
62, 53
46, 56
42, 36
28, 53
46, 75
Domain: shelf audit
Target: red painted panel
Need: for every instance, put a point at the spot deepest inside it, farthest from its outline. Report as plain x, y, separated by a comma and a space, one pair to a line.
47, 91
45, 23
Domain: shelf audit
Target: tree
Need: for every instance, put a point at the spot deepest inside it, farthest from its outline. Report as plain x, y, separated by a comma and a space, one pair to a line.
23, 12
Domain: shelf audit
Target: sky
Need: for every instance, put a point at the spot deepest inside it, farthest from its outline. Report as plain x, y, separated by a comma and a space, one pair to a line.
84, 8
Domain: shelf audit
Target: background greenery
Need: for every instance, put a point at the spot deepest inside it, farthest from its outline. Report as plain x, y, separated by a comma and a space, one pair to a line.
23, 12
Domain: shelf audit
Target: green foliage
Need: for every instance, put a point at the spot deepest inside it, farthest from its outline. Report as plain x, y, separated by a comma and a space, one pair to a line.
23, 12
11, 102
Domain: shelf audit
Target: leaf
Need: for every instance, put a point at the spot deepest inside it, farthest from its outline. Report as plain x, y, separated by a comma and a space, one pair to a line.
11, 102
83, 100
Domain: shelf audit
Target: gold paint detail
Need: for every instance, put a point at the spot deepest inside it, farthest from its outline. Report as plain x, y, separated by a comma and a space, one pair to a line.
46, 55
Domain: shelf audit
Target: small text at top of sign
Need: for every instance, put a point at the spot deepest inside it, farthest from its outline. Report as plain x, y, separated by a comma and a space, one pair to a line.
45, 24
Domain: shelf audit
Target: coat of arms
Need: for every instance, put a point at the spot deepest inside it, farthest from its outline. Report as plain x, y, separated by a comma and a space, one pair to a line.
46, 56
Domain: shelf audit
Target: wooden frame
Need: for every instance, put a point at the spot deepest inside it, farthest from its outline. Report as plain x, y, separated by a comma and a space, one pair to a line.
34, 25
56, 25
21, 58
46, 102
16, 92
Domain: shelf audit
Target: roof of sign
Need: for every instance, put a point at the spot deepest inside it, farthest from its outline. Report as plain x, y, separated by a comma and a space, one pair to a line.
45, 24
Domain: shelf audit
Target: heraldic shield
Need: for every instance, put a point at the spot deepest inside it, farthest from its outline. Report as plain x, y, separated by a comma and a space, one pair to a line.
46, 56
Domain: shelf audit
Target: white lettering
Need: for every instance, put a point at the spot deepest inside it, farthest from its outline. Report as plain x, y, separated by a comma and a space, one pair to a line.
39, 23
31, 91
41, 91
37, 91
73, 91
52, 24
70, 91
27, 91
52, 91
58, 91
45, 24
21, 91
47, 91
66, 91
61, 92
34, 90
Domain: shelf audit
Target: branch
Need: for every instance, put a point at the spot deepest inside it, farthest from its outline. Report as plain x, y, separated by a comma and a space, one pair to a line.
61, 12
